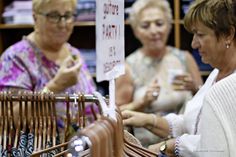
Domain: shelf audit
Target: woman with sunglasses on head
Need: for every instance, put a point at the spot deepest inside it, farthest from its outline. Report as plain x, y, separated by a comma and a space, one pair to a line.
44, 60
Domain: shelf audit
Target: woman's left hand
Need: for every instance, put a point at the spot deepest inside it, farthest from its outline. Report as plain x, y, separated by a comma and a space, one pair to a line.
152, 92
184, 82
137, 119
66, 76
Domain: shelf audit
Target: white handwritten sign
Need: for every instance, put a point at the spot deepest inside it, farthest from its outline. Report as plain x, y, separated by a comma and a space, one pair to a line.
109, 39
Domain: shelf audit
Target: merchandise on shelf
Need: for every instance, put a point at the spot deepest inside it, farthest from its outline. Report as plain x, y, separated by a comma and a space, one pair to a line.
86, 10
185, 5
18, 12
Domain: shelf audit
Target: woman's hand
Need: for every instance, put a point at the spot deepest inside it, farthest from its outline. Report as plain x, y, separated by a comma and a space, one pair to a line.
66, 76
136, 119
152, 122
151, 95
152, 92
184, 82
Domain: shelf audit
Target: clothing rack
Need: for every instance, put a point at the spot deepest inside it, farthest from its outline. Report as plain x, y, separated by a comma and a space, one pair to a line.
57, 97
37, 116
105, 136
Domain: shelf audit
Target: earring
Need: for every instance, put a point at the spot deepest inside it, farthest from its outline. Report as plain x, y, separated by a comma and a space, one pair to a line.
227, 44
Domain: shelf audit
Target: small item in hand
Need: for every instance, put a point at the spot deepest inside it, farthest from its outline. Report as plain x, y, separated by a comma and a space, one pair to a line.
72, 63
46, 90
155, 94
74, 57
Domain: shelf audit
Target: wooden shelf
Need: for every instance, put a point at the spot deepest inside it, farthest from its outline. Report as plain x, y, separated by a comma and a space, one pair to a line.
20, 26
77, 24
15, 26
87, 23
83, 35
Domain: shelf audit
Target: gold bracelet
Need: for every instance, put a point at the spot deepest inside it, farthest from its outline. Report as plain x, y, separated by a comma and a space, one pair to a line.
154, 124
154, 121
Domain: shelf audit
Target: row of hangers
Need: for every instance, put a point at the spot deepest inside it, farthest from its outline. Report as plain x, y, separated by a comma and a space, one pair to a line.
103, 138
37, 115
106, 139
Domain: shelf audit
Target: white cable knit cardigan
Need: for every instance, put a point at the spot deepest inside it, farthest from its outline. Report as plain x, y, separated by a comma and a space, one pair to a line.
217, 125
184, 126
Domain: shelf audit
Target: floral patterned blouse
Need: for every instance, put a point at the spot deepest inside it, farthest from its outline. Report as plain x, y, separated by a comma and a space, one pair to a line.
24, 66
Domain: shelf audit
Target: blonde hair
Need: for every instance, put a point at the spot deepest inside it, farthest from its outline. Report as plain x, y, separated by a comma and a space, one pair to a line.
140, 5
215, 14
39, 4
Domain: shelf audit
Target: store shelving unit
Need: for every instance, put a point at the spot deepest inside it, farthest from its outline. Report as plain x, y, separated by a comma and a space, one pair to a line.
84, 32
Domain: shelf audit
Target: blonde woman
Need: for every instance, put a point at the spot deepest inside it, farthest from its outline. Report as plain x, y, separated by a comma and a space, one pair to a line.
155, 67
43, 60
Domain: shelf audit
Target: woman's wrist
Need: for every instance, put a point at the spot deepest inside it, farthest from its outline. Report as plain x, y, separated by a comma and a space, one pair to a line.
53, 87
140, 105
128, 106
170, 151
135, 105
146, 102
151, 122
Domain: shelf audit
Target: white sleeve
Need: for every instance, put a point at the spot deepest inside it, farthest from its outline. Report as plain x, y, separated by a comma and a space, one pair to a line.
186, 145
176, 124
213, 137
211, 140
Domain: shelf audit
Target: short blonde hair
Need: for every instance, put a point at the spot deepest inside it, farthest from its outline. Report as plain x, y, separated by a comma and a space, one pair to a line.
39, 4
215, 14
140, 5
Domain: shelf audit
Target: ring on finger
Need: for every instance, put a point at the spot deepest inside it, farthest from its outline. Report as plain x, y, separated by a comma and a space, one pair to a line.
155, 94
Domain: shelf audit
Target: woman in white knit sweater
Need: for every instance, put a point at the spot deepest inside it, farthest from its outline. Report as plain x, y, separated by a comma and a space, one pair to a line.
213, 26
